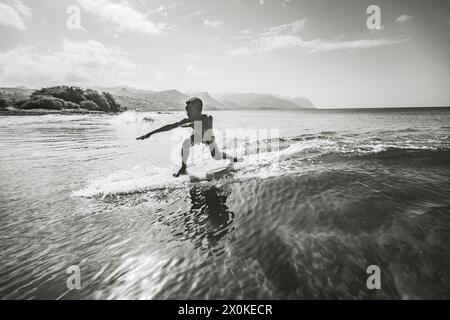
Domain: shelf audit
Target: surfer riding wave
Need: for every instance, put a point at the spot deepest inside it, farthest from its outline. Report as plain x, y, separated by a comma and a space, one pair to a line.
202, 125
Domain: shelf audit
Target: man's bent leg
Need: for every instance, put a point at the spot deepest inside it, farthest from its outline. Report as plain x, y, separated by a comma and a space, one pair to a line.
185, 151
217, 154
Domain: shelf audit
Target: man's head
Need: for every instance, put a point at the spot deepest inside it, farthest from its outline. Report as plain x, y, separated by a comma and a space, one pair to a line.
194, 107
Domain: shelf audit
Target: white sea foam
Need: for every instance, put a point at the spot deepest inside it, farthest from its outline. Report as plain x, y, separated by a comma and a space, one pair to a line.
201, 165
130, 117
133, 117
140, 178
130, 180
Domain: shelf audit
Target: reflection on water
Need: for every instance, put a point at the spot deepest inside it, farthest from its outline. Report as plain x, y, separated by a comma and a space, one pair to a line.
206, 222
211, 217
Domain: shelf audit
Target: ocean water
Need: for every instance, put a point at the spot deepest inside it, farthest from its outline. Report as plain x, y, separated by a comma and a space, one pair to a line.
340, 190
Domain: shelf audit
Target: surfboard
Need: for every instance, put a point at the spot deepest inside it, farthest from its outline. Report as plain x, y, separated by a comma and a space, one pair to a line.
213, 173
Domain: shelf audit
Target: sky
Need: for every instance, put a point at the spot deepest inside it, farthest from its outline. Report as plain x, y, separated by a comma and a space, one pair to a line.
336, 53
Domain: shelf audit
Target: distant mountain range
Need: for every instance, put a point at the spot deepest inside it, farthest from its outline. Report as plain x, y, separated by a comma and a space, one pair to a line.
143, 100
174, 100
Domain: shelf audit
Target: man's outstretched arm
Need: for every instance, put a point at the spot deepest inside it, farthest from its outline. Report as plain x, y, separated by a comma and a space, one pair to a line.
162, 129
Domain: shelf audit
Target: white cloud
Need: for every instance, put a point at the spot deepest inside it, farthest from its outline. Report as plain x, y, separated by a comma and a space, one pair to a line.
287, 29
194, 71
403, 18
289, 36
13, 14
163, 10
195, 14
212, 23
122, 15
206, 22
87, 63
21, 8
246, 31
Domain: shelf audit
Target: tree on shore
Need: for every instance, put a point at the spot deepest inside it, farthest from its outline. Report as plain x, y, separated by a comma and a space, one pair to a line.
74, 97
43, 102
66, 93
3, 103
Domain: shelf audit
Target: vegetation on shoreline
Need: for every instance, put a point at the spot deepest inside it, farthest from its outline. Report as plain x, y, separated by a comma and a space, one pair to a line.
61, 98
3, 103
